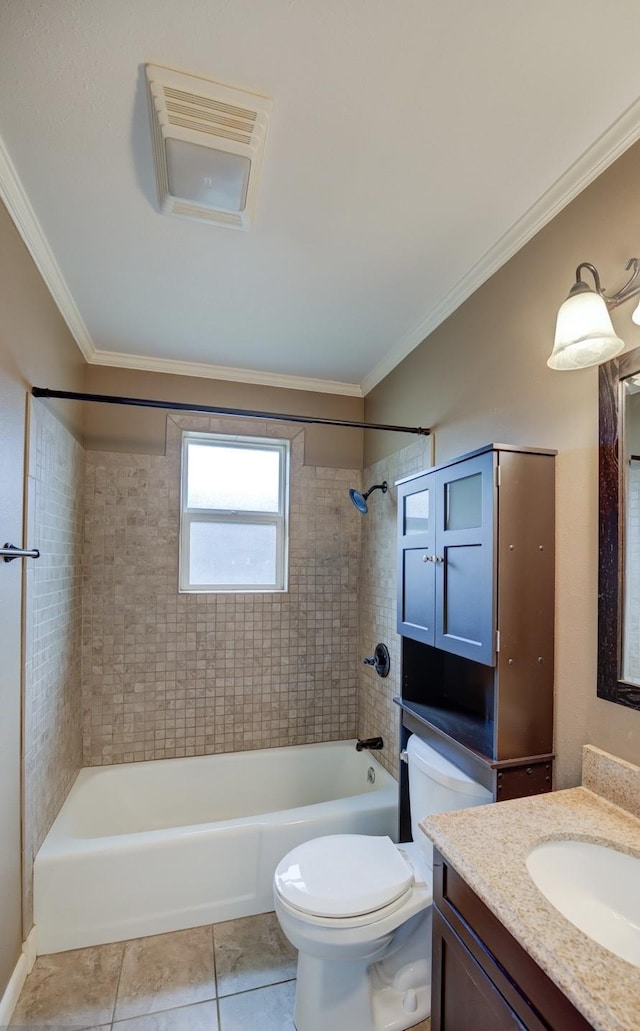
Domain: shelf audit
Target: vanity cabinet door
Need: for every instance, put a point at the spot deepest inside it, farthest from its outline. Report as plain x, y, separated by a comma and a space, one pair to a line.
462, 996
416, 559
482, 978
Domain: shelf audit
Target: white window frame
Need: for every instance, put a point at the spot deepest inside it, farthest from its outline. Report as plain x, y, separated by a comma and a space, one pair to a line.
279, 519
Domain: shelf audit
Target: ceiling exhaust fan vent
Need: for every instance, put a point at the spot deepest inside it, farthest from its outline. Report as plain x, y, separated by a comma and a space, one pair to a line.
202, 214
208, 144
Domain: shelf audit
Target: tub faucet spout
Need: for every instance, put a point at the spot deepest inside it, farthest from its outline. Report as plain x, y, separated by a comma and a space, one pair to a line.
372, 743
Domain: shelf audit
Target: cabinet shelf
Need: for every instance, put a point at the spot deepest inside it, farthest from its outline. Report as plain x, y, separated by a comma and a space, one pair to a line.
460, 727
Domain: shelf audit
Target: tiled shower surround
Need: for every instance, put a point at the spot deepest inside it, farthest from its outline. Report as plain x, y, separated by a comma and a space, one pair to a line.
52, 752
377, 714
158, 674
168, 674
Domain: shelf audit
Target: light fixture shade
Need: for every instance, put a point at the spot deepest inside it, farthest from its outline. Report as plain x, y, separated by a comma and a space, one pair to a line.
212, 178
584, 332
636, 315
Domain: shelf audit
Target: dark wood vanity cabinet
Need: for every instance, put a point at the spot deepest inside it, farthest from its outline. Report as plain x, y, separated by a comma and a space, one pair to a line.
482, 978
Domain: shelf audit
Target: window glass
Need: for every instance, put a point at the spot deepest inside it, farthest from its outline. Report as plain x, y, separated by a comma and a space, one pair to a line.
232, 553
232, 478
234, 511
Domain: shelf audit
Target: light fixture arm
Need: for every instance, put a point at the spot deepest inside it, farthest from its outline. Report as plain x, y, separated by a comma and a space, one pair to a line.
630, 289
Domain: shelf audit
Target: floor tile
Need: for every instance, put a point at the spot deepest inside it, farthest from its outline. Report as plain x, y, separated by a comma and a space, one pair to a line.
71, 989
201, 1017
165, 971
266, 1009
252, 953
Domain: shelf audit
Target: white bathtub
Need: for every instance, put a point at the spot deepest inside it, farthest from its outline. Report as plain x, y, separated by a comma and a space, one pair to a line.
142, 848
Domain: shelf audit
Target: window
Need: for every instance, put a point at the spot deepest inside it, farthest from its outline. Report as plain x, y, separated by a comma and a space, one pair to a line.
233, 528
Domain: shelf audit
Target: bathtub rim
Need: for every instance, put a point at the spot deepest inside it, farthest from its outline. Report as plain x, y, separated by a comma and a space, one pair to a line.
61, 841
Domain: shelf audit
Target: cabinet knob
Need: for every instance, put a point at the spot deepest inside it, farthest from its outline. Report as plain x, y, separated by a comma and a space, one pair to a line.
427, 558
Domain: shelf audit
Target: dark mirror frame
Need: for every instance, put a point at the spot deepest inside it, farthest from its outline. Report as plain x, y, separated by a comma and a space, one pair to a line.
611, 530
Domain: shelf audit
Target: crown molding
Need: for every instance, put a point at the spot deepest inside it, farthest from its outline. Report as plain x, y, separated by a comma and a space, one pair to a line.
24, 218
609, 146
223, 372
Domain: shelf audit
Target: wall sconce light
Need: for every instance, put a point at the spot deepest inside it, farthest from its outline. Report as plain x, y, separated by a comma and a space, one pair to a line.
584, 331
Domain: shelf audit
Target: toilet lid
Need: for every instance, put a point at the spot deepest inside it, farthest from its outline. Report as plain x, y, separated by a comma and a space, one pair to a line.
343, 875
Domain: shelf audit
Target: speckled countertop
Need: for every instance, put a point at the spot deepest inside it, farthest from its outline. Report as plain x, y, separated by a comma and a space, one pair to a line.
488, 846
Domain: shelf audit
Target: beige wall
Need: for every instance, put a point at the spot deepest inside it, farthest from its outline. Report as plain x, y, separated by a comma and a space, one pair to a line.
142, 431
34, 345
482, 377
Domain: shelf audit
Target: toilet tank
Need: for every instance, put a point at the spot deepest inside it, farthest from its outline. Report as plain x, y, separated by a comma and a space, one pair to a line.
436, 786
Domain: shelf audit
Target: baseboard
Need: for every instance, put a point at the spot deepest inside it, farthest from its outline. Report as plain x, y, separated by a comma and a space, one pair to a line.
23, 967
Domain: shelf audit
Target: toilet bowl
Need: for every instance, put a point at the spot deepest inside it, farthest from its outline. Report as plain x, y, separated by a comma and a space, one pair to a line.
358, 909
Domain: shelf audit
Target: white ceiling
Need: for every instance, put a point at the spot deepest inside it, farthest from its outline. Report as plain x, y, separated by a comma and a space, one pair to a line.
414, 146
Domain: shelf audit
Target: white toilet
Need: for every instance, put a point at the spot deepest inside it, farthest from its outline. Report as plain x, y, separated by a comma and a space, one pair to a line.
358, 909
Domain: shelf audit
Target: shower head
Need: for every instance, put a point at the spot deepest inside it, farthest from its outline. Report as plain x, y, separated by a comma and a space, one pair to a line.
360, 500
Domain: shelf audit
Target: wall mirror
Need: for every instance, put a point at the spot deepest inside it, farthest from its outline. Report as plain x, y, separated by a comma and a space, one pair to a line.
619, 531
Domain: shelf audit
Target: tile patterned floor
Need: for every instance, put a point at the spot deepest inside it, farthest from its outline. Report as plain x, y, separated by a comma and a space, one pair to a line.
234, 976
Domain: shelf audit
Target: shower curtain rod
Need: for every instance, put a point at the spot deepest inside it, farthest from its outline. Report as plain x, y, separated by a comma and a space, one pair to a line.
244, 413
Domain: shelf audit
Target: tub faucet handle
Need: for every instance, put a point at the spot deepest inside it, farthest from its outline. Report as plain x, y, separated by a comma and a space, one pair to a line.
380, 659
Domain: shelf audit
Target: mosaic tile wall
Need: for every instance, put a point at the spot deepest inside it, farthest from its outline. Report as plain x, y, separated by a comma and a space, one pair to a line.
52, 750
168, 674
377, 714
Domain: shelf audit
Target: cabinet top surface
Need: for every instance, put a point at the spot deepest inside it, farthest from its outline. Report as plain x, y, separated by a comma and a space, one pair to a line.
520, 449
488, 846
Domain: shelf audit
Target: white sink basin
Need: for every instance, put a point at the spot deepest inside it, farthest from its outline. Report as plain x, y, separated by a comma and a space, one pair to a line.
596, 888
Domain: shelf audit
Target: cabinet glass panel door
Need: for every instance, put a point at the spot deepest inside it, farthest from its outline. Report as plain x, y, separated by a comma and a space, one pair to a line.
416, 565
463, 503
465, 591
416, 513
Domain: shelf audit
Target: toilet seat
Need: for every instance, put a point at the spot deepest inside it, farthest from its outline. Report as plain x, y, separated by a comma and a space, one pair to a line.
343, 875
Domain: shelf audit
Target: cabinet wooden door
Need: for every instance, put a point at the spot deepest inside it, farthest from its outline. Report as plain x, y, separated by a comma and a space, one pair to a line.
463, 998
482, 978
465, 531
416, 558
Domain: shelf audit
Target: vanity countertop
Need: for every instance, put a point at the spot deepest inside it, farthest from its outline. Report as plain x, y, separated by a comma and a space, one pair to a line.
488, 847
